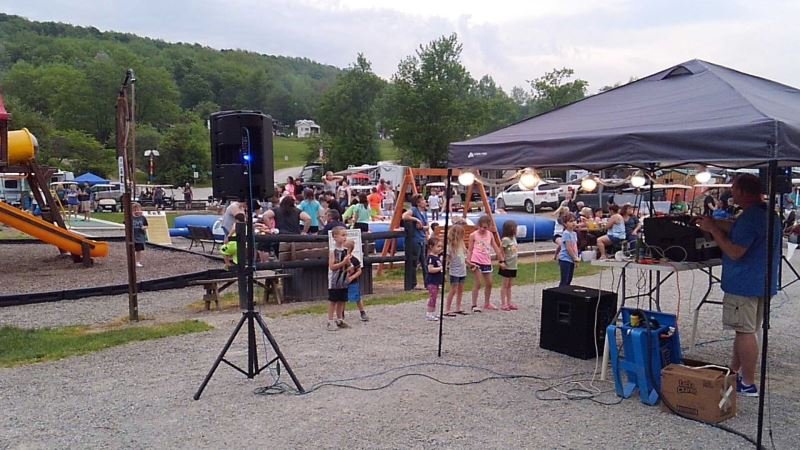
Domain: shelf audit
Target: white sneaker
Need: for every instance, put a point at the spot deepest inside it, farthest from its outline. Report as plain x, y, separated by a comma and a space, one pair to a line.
431, 317
332, 325
139, 265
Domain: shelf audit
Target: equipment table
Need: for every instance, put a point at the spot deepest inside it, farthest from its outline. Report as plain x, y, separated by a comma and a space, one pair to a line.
654, 288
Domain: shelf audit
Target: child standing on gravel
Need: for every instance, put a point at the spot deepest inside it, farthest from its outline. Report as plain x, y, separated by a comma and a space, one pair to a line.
457, 266
481, 243
353, 286
508, 269
338, 263
435, 276
139, 231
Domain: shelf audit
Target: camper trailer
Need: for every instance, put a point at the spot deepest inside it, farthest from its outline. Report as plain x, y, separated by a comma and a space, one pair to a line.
13, 186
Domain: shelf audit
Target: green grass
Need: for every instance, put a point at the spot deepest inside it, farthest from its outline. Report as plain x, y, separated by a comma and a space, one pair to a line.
545, 272
289, 152
23, 346
117, 217
387, 151
10, 233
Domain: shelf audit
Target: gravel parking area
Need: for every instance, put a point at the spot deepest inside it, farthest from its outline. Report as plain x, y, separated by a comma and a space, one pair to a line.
140, 395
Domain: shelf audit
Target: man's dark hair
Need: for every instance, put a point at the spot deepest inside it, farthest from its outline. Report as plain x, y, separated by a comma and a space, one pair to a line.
748, 184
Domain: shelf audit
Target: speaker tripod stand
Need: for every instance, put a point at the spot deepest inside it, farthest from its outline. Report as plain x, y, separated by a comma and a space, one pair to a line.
249, 316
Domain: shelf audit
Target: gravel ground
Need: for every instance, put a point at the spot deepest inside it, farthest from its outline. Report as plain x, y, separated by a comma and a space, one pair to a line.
140, 395
38, 267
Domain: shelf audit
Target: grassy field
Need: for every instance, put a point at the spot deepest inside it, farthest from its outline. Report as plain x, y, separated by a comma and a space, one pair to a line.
387, 151
10, 233
545, 272
117, 217
21, 346
291, 152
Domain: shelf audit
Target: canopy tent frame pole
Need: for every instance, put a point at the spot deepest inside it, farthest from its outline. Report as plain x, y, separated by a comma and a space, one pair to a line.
772, 172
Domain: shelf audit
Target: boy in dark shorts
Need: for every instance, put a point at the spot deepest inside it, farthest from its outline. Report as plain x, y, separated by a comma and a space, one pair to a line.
354, 287
338, 264
139, 232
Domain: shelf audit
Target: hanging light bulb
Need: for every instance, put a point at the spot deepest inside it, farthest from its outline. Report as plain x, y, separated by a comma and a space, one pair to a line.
589, 183
704, 176
529, 179
638, 179
466, 178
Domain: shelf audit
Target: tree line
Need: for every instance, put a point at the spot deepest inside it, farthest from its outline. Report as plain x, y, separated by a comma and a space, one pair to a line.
60, 81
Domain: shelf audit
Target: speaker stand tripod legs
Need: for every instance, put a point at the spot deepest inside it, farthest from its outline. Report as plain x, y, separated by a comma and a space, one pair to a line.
279, 353
253, 368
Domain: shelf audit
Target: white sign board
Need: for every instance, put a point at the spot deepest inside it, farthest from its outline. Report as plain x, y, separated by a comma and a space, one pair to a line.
121, 168
352, 246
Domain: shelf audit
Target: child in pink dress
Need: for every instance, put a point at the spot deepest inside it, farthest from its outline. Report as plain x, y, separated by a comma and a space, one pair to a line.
481, 243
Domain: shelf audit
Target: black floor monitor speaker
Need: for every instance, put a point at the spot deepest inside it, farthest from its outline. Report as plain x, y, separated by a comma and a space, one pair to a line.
568, 320
235, 135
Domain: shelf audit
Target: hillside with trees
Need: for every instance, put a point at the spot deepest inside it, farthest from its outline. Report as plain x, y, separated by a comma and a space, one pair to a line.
61, 81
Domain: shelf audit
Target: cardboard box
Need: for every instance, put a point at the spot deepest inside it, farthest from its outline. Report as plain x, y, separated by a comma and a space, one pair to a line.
697, 393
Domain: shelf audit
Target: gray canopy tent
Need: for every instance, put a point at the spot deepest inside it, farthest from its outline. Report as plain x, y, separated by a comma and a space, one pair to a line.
693, 113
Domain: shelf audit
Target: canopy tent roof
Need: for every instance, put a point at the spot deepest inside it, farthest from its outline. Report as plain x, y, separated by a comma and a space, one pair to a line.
695, 112
90, 178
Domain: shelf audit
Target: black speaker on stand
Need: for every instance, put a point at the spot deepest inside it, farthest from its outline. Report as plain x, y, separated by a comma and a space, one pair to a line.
568, 320
233, 134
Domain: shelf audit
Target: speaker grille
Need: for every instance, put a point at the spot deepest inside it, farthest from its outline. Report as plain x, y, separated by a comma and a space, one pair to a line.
234, 134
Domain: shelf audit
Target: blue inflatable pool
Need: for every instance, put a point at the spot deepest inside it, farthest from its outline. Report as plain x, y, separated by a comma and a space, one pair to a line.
198, 220
529, 226
384, 226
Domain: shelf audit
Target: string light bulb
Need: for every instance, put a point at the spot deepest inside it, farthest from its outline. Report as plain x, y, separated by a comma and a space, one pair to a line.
704, 176
589, 183
466, 178
529, 179
638, 179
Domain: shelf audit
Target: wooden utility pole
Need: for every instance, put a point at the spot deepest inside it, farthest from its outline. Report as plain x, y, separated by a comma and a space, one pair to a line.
123, 126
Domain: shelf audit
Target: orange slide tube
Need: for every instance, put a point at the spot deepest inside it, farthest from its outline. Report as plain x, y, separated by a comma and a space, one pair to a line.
47, 232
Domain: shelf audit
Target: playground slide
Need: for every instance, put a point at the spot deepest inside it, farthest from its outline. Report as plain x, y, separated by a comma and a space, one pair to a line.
47, 232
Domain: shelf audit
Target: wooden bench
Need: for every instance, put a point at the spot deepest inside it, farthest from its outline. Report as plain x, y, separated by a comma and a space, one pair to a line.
311, 283
202, 236
269, 280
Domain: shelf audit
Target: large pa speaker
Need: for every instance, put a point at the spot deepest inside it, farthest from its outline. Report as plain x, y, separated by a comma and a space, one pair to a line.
235, 134
783, 180
568, 320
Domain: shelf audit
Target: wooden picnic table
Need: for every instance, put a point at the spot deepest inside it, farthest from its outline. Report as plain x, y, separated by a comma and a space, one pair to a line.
269, 280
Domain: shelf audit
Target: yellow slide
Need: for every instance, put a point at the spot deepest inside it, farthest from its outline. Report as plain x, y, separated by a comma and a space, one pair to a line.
47, 232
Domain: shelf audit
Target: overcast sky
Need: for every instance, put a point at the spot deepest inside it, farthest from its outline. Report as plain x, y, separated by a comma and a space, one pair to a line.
604, 41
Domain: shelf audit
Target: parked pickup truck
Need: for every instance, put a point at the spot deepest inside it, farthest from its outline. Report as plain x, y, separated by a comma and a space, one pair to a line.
543, 196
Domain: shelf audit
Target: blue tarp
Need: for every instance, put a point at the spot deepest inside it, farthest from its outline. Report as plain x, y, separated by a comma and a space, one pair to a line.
90, 179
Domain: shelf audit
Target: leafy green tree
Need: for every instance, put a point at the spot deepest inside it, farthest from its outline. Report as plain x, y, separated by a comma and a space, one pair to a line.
347, 115
78, 151
432, 102
554, 90
182, 146
496, 109
22, 116
157, 97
